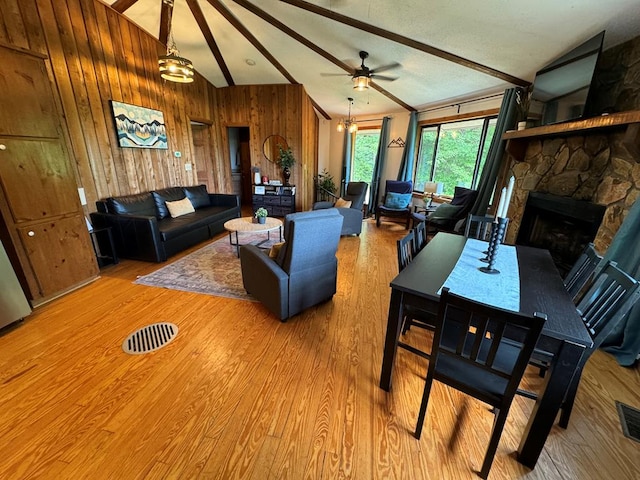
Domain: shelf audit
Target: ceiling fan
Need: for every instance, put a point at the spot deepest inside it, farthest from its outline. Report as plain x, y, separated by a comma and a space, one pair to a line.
363, 74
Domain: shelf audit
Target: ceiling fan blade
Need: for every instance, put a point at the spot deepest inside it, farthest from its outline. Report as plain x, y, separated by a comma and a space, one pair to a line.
335, 74
383, 77
384, 68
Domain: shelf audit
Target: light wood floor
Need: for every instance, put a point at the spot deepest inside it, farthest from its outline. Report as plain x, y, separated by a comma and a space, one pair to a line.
241, 395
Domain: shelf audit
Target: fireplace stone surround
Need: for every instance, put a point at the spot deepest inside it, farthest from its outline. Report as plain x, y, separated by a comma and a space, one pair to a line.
595, 166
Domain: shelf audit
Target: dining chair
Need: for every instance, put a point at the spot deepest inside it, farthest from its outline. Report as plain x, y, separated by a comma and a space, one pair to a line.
406, 250
420, 236
582, 271
609, 298
478, 226
412, 316
469, 354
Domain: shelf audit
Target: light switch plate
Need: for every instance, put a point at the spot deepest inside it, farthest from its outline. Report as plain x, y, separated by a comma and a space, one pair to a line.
188, 167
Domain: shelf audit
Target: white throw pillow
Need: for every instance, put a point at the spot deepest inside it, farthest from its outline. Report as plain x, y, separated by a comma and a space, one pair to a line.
180, 207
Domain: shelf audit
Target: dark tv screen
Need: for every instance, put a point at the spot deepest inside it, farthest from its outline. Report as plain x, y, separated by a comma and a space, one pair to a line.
561, 89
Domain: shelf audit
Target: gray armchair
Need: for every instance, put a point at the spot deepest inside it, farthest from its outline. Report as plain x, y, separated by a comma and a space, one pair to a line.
305, 270
356, 193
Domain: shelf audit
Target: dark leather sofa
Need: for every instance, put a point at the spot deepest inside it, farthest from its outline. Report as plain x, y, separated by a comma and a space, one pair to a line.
143, 229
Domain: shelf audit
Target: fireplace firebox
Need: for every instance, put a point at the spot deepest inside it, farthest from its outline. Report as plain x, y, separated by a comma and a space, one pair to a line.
562, 225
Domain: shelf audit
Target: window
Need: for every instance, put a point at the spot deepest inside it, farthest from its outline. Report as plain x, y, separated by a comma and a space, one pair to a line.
453, 153
364, 156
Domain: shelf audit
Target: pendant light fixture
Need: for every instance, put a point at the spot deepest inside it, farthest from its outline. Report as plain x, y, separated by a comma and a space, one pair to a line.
172, 66
350, 123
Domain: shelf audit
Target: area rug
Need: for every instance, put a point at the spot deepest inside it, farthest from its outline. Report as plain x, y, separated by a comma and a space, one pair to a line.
212, 270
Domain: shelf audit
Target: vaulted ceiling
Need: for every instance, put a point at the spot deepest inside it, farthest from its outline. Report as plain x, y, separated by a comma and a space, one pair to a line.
446, 51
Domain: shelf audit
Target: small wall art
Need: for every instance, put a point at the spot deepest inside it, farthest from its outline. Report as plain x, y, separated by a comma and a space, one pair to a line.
139, 127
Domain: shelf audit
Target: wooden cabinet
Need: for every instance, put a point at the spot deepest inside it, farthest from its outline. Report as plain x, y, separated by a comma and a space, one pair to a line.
40, 212
279, 201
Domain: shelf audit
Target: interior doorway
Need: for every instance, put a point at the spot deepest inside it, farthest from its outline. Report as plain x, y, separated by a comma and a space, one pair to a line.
240, 157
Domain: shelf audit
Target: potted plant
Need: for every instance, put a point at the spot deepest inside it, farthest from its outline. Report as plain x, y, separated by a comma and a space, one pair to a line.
261, 214
286, 160
325, 183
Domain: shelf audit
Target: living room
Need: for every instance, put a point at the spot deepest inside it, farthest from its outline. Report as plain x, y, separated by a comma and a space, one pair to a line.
238, 394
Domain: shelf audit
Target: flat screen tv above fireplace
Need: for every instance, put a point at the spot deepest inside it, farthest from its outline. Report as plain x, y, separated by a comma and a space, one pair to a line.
561, 89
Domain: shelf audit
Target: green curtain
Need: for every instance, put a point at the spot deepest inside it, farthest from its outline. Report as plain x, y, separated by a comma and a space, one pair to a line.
378, 166
624, 342
346, 160
405, 173
505, 121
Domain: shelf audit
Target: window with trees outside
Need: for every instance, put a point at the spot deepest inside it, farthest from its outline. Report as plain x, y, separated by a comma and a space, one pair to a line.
364, 156
453, 153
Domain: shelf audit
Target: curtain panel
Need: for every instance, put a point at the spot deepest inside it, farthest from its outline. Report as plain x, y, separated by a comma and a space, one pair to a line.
405, 172
378, 166
505, 121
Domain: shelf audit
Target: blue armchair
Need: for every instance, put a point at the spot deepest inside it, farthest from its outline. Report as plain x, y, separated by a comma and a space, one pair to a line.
387, 208
305, 271
356, 193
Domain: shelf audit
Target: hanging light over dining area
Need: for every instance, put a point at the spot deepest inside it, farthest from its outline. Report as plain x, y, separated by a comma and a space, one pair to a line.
350, 123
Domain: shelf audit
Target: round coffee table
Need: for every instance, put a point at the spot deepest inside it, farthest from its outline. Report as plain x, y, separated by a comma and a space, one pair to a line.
245, 224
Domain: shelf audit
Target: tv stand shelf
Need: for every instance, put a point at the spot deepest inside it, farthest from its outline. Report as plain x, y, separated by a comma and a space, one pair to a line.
518, 139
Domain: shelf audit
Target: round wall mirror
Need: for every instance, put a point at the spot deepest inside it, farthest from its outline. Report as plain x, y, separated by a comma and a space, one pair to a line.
270, 147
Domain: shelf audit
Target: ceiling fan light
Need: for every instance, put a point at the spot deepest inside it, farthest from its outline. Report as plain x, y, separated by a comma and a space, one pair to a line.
360, 83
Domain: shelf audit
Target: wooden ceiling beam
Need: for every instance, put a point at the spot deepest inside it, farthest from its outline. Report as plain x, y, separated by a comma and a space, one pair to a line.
166, 13
409, 42
253, 40
196, 11
121, 6
317, 107
309, 44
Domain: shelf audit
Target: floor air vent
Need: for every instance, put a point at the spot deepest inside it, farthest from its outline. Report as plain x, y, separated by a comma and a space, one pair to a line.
150, 338
630, 420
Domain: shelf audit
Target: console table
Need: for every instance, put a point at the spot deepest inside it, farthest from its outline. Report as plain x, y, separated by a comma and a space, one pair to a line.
278, 200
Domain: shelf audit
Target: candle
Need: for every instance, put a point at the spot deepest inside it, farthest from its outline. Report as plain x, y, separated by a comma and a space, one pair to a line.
501, 203
507, 201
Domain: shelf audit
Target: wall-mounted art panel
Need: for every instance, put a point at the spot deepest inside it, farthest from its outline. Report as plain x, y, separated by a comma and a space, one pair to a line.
139, 127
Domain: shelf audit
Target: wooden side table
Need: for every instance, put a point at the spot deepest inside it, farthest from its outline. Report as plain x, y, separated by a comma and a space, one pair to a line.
245, 224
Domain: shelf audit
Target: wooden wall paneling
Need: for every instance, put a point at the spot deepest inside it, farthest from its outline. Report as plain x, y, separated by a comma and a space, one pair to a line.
74, 124
14, 31
92, 78
131, 182
33, 27
103, 168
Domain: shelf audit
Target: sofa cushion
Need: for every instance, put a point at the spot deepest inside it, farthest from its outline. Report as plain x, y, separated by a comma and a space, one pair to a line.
174, 227
138, 204
198, 196
180, 207
170, 194
463, 196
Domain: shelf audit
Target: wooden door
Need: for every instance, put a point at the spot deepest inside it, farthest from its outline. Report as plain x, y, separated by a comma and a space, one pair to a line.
201, 137
39, 202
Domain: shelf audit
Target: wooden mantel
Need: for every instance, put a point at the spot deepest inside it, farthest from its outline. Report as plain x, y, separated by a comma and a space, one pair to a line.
519, 139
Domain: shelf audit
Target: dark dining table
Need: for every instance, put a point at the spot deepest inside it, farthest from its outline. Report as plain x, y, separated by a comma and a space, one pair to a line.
541, 290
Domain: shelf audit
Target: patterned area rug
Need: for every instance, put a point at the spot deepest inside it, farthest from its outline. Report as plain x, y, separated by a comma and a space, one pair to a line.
213, 270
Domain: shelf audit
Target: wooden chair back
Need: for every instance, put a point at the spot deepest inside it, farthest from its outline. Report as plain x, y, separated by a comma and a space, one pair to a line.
481, 351
582, 272
405, 250
420, 236
478, 226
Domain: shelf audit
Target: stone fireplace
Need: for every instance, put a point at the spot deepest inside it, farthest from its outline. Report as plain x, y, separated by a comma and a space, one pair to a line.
595, 168
562, 225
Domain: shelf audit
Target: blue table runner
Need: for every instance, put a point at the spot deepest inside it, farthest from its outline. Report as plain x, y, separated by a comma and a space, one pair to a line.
500, 290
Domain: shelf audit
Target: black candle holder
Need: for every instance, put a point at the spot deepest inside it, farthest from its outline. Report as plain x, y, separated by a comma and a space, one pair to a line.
497, 233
